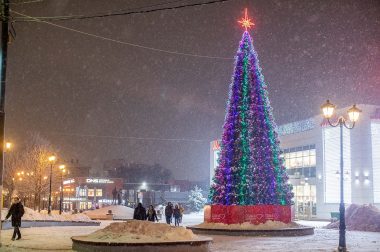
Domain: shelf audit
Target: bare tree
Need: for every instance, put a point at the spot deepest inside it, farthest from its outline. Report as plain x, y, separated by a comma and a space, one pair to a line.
29, 175
13, 163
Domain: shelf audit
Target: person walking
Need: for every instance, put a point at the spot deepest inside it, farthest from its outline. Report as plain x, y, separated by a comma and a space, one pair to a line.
177, 215
139, 213
169, 213
181, 211
16, 211
151, 214
114, 196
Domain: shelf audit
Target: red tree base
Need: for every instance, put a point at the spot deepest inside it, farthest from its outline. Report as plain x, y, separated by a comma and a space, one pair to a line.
254, 214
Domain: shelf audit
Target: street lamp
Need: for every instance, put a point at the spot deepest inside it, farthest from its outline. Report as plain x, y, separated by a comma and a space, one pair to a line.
62, 170
353, 114
8, 146
51, 161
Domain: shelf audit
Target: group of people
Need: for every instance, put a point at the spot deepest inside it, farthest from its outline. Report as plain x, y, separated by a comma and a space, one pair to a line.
141, 214
177, 212
116, 196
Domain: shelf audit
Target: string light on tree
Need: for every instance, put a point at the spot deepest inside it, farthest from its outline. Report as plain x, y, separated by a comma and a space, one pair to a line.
251, 170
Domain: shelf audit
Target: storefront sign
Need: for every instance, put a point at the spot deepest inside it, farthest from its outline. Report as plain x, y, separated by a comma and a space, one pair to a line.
69, 181
74, 199
99, 181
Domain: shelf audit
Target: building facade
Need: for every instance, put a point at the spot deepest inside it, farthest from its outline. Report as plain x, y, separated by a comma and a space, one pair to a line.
84, 193
311, 151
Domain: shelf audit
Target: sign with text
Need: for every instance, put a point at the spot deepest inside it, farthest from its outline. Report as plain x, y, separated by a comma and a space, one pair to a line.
99, 181
69, 181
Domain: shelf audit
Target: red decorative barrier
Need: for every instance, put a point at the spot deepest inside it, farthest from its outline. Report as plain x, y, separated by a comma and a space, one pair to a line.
207, 213
254, 214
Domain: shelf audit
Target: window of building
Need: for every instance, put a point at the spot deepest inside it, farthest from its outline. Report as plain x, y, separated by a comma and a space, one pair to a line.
375, 138
82, 192
99, 192
91, 192
331, 160
300, 161
82, 205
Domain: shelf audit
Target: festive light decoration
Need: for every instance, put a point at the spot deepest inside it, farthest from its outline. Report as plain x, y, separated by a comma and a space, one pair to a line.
246, 22
251, 170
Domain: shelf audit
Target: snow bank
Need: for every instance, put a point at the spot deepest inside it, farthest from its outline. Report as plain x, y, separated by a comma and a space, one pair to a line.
119, 212
361, 218
32, 215
269, 225
135, 231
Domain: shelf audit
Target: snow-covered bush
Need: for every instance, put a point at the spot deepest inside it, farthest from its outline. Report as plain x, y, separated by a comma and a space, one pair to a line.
196, 200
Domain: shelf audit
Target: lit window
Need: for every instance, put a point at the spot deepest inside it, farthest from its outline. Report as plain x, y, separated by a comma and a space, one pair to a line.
82, 192
99, 192
375, 139
331, 156
90, 192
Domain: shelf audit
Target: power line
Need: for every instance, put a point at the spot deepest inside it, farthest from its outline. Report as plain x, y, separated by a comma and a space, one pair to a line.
123, 42
131, 137
58, 18
26, 2
101, 13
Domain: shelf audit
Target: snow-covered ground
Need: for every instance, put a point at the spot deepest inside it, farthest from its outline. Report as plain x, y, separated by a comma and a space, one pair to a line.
31, 215
58, 238
249, 226
140, 232
119, 212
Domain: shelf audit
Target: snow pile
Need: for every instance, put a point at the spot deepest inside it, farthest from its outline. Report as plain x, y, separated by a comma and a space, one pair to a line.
361, 218
269, 225
119, 212
31, 215
140, 232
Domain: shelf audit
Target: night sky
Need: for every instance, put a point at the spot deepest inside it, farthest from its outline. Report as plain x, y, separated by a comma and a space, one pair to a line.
97, 100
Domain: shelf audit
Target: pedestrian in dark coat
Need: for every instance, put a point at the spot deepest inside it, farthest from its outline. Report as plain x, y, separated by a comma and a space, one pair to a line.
169, 213
140, 212
151, 214
16, 211
177, 215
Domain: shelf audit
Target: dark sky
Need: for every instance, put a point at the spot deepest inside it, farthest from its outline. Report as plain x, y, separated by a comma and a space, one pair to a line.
76, 90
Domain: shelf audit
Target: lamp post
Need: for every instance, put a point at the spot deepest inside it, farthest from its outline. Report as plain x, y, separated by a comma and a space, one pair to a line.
51, 161
353, 114
7, 148
62, 170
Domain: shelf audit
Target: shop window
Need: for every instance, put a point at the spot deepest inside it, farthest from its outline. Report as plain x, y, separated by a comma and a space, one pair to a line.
82, 192
298, 157
99, 192
90, 192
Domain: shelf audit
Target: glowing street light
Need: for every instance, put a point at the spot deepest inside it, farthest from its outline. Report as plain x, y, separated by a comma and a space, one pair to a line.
8, 146
353, 114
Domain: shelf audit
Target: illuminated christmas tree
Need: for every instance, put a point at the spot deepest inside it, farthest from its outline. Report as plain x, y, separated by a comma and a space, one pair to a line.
251, 170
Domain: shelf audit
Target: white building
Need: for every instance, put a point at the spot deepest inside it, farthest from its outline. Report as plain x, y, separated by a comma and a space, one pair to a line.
311, 149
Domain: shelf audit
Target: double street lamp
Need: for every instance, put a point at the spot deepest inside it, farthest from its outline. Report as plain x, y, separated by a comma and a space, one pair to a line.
353, 114
51, 161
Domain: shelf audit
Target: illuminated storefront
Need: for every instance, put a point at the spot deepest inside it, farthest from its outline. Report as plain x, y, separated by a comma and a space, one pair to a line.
311, 152
88, 193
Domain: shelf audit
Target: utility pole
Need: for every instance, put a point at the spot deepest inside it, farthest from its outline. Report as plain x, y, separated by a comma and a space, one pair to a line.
3, 55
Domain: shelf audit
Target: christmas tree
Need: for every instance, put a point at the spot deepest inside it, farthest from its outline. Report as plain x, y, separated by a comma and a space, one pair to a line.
196, 200
251, 170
